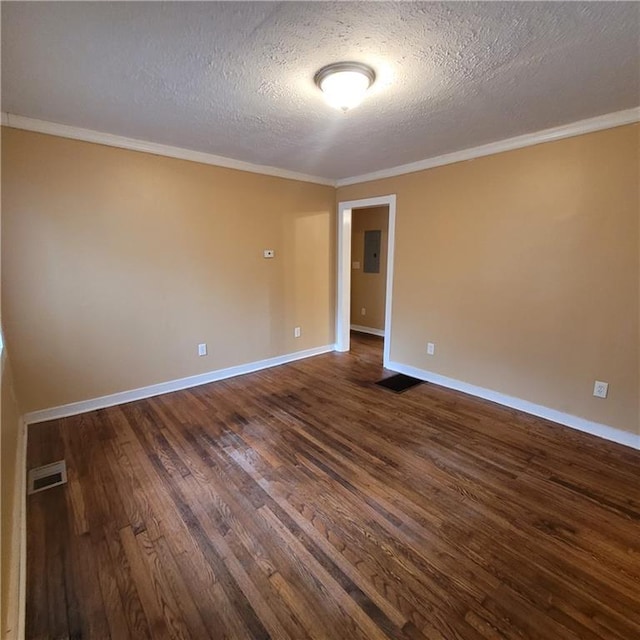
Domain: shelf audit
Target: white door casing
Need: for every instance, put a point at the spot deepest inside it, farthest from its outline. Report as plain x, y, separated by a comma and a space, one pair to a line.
343, 307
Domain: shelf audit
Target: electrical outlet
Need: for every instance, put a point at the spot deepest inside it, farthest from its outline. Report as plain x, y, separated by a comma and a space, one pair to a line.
600, 389
431, 348
202, 349
355, 265
363, 312
297, 332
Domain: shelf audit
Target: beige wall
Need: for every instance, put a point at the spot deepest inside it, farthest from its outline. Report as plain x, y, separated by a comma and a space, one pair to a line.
118, 263
368, 289
9, 425
523, 268
11, 442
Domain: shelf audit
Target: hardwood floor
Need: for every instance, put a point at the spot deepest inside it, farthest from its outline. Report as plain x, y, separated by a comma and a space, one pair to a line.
306, 502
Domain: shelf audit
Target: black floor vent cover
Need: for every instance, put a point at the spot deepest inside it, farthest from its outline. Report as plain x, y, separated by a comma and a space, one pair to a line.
399, 382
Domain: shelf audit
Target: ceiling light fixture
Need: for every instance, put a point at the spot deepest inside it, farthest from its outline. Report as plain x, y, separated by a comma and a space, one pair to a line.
345, 83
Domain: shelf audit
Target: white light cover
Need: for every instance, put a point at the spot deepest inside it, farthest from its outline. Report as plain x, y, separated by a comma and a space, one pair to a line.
345, 89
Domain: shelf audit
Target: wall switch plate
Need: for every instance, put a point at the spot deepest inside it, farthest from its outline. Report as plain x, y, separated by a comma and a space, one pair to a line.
297, 332
600, 389
355, 265
202, 349
269, 253
431, 348
363, 312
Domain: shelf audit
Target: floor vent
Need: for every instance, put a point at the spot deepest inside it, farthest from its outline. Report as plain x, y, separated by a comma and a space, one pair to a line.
51, 475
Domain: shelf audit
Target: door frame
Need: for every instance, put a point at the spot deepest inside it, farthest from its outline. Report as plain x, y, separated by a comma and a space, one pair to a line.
343, 306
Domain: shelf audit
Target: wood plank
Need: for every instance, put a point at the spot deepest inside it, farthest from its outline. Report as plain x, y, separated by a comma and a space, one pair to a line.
305, 501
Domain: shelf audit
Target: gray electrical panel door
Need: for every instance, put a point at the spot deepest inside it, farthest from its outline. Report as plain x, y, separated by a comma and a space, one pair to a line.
372, 251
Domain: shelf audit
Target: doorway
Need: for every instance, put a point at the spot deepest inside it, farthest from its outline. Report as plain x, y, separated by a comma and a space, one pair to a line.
345, 266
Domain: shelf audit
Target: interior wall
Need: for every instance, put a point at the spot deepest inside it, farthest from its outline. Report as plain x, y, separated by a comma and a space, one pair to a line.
11, 440
522, 268
368, 290
117, 264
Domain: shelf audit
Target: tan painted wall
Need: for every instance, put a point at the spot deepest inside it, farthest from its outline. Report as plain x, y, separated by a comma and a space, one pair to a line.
522, 267
368, 289
118, 263
11, 439
10, 532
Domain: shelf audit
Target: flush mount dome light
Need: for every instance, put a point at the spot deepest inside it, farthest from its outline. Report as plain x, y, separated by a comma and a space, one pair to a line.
345, 83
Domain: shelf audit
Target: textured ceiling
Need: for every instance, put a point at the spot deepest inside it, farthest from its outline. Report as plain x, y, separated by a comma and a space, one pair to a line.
236, 78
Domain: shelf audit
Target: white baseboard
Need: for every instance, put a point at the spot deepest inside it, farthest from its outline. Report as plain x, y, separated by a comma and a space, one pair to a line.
581, 424
75, 408
374, 332
17, 591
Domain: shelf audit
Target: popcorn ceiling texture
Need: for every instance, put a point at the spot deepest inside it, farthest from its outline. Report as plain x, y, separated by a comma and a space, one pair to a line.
236, 78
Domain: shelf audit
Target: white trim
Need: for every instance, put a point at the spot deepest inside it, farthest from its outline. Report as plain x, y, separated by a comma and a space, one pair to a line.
17, 588
110, 140
343, 303
607, 121
343, 306
361, 329
581, 424
75, 408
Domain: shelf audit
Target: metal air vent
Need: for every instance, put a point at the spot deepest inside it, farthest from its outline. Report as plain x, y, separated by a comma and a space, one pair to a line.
50, 475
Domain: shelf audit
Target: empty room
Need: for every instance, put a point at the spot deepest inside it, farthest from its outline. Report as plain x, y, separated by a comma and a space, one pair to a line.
320, 320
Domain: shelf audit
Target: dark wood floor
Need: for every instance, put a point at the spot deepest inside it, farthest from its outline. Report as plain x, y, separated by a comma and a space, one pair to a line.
305, 502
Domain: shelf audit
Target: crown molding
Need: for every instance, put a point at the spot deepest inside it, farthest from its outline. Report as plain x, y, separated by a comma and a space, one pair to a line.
133, 144
607, 121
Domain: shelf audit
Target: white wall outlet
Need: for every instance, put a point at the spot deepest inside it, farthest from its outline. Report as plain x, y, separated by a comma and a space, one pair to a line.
297, 332
363, 312
431, 348
202, 349
600, 389
355, 265
269, 253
